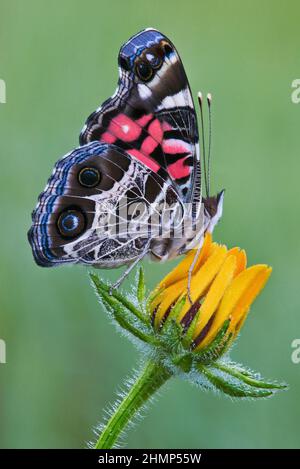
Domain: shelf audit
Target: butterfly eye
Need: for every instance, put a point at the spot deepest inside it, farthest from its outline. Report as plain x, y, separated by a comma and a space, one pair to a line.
144, 71
71, 223
89, 177
154, 60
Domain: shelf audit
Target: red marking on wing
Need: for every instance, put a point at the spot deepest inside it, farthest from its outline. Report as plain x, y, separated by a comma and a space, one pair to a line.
173, 146
146, 160
156, 131
154, 139
143, 121
108, 138
178, 169
148, 145
124, 128
166, 126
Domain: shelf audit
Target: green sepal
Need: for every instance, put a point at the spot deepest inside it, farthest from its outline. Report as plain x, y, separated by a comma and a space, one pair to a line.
217, 347
235, 386
170, 330
141, 287
152, 296
187, 339
121, 313
247, 376
170, 337
103, 287
175, 312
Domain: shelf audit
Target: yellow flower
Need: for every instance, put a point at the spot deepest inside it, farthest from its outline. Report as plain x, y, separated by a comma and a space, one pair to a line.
222, 290
188, 331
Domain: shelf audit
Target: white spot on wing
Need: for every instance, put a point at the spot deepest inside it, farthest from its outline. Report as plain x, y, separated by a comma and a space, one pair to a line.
182, 98
144, 91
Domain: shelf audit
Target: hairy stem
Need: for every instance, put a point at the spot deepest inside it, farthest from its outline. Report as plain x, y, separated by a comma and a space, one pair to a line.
152, 377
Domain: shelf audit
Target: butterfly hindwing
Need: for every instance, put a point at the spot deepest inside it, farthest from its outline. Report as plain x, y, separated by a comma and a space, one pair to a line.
96, 208
152, 115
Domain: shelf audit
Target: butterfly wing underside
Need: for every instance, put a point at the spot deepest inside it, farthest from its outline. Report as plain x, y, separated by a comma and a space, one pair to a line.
97, 208
139, 148
152, 115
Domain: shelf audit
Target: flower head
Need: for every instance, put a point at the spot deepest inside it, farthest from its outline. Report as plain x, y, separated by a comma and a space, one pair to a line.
188, 329
222, 290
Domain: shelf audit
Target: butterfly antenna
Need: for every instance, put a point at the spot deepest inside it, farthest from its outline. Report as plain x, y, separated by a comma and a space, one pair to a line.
209, 100
200, 101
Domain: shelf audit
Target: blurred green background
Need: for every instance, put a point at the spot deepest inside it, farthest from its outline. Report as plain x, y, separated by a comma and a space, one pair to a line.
64, 358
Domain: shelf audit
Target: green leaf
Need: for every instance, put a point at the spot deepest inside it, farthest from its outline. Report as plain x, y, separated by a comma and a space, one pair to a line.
246, 376
234, 389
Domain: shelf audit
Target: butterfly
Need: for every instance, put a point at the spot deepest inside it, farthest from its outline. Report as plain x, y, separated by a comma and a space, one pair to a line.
133, 186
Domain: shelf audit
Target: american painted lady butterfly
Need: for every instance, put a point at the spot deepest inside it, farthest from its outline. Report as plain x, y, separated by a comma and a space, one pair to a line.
133, 186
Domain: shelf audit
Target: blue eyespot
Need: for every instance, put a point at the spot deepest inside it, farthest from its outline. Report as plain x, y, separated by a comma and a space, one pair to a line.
71, 223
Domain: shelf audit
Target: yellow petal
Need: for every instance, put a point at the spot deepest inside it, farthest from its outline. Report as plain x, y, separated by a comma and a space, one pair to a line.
241, 262
241, 259
247, 298
215, 293
238, 298
199, 284
167, 299
203, 278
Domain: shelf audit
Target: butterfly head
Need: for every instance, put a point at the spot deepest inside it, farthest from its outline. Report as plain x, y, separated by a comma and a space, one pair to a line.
213, 210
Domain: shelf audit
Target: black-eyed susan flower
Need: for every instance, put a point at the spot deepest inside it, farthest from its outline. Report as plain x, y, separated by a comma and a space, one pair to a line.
187, 328
222, 289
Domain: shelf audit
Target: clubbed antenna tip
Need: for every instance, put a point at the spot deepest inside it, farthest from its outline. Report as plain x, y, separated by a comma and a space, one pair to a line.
200, 100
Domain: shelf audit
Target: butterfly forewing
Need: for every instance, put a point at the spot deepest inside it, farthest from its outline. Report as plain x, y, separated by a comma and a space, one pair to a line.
152, 115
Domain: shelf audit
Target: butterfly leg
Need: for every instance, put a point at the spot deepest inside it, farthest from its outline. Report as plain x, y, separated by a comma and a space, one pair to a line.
130, 268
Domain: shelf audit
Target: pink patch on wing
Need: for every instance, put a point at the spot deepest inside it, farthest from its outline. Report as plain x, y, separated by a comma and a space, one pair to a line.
149, 145
146, 160
155, 130
108, 138
166, 126
178, 169
174, 146
124, 128
143, 121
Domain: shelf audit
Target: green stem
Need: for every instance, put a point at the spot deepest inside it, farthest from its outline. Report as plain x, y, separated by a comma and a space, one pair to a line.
152, 377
